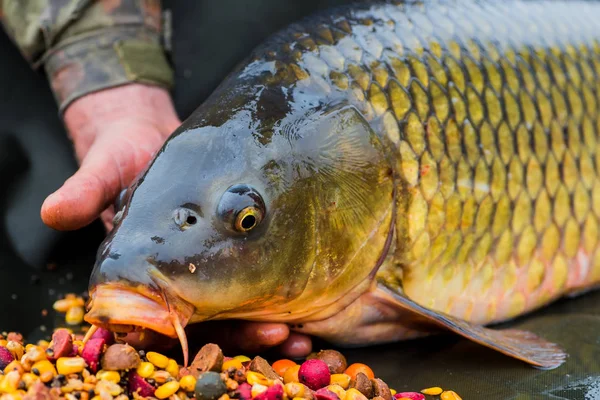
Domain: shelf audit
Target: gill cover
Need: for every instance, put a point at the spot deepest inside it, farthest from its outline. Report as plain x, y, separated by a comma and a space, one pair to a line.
331, 213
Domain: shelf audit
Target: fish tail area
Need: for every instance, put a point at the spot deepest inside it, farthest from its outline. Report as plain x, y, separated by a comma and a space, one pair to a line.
522, 345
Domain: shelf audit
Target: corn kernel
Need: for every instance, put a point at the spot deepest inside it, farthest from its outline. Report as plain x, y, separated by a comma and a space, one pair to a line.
12, 396
44, 366
257, 389
393, 391
157, 359
294, 389
161, 376
298, 398
71, 301
291, 374
188, 383
237, 364
242, 358
10, 382
46, 376
337, 389
145, 369
432, 391
166, 390
14, 366
74, 315
342, 380
224, 397
16, 349
173, 368
450, 395
3, 342
42, 343
62, 305
70, 365
79, 345
35, 354
108, 387
29, 379
110, 376
354, 394
255, 377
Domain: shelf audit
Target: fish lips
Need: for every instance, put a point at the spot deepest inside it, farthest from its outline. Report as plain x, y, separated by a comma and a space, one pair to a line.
120, 308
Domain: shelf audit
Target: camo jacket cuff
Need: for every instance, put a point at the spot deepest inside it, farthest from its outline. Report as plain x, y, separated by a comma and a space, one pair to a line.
104, 59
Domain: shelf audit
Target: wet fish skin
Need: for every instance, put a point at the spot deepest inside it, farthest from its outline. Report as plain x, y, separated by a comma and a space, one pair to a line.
488, 115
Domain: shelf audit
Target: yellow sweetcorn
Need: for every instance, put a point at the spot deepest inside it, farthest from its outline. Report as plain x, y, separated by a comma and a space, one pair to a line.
450, 395
166, 390
294, 389
393, 391
74, 315
29, 379
172, 368
342, 380
145, 369
242, 358
79, 345
10, 383
70, 365
337, 389
235, 363
14, 365
432, 391
354, 394
257, 389
108, 387
188, 383
15, 348
255, 377
110, 376
157, 359
291, 374
44, 366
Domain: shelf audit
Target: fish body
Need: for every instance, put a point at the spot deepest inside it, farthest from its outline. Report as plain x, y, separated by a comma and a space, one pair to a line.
372, 172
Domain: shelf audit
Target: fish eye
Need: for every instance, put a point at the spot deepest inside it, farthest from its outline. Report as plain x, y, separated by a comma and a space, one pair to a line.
241, 208
247, 219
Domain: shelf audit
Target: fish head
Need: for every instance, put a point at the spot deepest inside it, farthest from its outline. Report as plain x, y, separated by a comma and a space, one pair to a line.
232, 221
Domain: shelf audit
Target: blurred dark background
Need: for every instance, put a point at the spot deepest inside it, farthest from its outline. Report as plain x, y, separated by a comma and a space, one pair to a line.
38, 264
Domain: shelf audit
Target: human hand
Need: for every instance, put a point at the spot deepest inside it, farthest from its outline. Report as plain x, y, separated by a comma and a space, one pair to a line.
115, 133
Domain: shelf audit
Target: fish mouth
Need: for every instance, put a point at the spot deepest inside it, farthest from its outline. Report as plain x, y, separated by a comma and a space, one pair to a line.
123, 309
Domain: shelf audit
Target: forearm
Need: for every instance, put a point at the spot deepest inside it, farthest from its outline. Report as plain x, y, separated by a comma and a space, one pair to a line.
86, 46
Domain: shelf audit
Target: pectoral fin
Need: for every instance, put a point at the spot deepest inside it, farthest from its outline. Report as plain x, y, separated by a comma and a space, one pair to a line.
522, 345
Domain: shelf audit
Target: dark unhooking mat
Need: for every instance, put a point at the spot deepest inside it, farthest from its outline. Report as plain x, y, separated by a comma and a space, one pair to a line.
37, 265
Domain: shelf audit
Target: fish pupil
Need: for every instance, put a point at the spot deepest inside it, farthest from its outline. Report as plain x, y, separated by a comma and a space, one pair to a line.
191, 220
248, 222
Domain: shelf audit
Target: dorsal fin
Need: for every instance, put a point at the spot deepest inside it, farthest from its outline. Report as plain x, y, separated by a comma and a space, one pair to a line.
522, 345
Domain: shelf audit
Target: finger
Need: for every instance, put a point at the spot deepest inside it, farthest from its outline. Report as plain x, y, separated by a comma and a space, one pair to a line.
296, 345
105, 170
107, 218
257, 336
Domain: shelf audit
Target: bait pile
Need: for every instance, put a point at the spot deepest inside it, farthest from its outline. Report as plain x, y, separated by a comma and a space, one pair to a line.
102, 369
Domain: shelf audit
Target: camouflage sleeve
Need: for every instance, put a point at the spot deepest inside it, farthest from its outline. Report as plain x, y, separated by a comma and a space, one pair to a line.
89, 45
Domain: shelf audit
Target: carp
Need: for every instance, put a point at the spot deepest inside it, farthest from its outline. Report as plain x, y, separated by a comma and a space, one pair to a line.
374, 173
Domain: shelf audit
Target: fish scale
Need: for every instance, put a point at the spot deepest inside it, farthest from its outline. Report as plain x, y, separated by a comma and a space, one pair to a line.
493, 112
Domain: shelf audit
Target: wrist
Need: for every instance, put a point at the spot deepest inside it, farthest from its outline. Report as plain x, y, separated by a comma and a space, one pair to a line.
106, 59
95, 112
